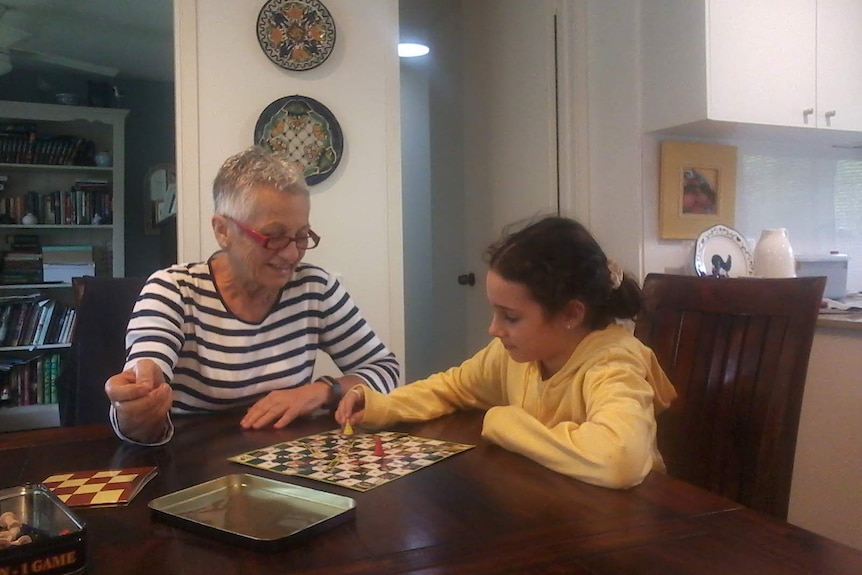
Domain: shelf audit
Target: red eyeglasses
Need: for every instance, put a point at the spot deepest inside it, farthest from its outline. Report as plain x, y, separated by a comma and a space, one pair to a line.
306, 241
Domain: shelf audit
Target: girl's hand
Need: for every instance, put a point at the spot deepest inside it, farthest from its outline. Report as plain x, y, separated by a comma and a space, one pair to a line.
351, 407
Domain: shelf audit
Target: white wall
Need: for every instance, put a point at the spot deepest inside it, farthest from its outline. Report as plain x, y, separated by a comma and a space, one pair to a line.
224, 83
616, 216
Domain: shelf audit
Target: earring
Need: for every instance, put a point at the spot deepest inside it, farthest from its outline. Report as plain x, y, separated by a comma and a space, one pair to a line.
569, 327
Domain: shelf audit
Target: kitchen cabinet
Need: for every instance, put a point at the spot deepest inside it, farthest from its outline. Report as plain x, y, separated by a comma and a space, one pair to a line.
48, 157
771, 62
839, 64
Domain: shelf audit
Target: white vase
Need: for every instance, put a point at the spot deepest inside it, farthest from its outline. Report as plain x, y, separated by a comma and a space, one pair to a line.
773, 255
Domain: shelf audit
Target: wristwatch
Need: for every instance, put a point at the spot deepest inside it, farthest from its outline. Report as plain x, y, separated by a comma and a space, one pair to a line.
335, 386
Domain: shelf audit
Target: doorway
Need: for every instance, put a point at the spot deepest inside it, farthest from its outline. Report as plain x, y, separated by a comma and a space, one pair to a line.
479, 152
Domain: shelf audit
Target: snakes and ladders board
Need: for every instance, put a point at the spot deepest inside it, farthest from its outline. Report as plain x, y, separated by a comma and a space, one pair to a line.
361, 461
102, 487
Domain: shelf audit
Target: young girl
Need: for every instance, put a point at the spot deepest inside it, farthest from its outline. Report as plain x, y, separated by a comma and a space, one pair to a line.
562, 382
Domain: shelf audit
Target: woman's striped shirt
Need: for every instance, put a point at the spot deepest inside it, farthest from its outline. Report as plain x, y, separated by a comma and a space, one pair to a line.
215, 361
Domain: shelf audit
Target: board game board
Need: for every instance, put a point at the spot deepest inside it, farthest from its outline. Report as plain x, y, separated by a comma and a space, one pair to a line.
95, 488
351, 461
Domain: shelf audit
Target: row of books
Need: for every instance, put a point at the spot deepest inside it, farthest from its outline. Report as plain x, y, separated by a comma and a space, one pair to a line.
29, 381
87, 202
22, 144
31, 321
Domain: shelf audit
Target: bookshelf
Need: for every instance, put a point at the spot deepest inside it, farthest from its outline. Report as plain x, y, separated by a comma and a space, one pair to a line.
48, 169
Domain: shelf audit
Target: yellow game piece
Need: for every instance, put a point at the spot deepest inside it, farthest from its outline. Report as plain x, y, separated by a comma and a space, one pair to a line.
348, 430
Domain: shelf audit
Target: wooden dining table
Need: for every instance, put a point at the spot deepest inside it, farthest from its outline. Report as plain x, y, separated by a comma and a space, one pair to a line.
485, 510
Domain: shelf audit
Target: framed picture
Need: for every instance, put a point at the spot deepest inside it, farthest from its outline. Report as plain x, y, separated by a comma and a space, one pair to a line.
160, 189
697, 188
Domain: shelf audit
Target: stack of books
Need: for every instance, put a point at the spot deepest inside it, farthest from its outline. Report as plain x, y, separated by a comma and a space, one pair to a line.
21, 268
22, 264
62, 263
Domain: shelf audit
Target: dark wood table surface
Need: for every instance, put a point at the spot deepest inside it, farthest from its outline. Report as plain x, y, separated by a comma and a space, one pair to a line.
482, 511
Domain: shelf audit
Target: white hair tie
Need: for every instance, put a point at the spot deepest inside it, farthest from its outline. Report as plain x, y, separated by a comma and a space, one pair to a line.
616, 273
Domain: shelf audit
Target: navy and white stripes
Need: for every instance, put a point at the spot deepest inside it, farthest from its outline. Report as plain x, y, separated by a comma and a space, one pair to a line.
215, 361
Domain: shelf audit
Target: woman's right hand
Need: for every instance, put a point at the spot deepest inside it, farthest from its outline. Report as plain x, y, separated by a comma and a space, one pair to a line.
351, 407
141, 399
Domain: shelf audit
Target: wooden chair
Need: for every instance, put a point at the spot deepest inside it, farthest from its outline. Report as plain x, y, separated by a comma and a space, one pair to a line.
737, 352
103, 307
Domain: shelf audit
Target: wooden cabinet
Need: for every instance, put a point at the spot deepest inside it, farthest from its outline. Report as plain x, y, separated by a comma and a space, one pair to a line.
773, 62
42, 175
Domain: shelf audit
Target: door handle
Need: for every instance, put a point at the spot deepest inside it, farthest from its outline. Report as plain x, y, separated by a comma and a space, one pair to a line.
467, 279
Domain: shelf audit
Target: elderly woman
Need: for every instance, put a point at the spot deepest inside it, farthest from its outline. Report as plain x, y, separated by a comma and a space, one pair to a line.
244, 327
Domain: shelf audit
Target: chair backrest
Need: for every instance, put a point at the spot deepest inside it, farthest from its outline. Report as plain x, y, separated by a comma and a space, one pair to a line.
103, 307
737, 352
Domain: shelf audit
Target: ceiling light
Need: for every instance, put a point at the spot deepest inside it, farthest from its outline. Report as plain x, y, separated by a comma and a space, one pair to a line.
412, 50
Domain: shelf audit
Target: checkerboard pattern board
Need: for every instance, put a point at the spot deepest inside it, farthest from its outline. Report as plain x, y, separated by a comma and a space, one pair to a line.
94, 488
350, 460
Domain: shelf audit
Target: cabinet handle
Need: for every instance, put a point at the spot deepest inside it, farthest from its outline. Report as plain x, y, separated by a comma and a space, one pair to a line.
805, 113
830, 113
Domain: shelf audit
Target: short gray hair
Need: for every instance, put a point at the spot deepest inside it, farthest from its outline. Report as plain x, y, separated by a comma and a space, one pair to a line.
249, 169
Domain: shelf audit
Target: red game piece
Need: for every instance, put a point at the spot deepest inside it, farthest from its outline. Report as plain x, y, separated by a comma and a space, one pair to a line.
378, 447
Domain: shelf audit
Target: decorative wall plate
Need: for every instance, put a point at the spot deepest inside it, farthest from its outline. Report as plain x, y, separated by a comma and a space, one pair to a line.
296, 34
721, 251
306, 131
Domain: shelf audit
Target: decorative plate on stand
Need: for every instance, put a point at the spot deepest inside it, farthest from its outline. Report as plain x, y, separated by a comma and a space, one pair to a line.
306, 131
296, 34
721, 251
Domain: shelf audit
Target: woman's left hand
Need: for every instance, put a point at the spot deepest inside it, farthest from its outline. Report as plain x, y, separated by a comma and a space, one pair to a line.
282, 406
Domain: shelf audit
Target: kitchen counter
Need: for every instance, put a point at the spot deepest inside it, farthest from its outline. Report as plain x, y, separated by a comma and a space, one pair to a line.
848, 319
841, 320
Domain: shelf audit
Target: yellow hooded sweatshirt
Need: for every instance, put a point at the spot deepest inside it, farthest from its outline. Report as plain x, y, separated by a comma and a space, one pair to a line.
593, 420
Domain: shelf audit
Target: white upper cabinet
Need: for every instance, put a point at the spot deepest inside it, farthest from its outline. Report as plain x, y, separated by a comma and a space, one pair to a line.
773, 62
839, 64
761, 64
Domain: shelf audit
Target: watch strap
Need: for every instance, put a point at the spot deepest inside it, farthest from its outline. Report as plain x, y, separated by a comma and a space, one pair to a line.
335, 386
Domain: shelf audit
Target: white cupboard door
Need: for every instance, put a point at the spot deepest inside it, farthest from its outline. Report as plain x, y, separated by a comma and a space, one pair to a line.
761, 58
839, 64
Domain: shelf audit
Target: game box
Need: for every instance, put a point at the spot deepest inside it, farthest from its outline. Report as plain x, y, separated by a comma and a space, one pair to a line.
57, 537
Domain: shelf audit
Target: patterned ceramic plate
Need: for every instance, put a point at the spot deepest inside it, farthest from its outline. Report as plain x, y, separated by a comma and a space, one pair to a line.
296, 34
722, 252
304, 129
